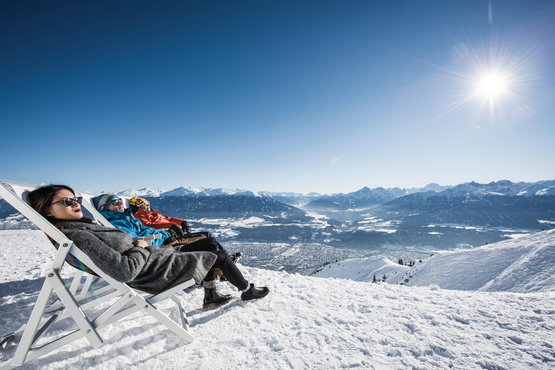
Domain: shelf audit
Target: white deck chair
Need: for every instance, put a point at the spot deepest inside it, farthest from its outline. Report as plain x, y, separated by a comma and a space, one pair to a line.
31, 341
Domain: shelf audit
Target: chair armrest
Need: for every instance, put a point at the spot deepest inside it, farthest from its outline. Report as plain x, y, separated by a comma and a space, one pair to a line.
149, 238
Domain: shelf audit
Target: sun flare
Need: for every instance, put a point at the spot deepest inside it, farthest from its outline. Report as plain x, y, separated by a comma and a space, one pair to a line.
492, 85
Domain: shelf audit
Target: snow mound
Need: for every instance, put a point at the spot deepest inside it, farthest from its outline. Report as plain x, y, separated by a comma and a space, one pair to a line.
364, 269
523, 265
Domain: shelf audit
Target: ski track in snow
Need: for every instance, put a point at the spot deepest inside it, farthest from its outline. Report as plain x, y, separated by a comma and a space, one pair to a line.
305, 322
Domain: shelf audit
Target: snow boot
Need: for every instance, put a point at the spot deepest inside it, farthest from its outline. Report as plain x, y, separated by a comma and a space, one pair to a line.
253, 292
214, 299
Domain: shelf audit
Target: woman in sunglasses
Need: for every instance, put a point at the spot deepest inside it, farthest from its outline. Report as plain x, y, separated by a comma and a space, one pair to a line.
145, 267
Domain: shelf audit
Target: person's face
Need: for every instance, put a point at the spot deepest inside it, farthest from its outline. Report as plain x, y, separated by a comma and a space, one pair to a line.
145, 207
118, 206
58, 208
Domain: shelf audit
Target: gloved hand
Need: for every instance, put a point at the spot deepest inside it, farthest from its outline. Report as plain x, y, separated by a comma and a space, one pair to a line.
176, 231
170, 240
186, 227
173, 236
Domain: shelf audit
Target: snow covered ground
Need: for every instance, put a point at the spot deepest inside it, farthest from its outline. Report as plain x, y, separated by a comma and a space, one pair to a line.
524, 265
308, 322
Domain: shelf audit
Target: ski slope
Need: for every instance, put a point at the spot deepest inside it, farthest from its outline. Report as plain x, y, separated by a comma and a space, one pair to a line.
522, 265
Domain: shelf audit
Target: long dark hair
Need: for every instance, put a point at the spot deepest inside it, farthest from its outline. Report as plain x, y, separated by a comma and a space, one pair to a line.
41, 198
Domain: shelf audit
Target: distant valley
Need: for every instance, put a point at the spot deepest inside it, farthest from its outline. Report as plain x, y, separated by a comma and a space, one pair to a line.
298, 232
444, 218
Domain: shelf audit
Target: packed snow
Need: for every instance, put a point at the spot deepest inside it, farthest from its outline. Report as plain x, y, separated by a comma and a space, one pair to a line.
324, 323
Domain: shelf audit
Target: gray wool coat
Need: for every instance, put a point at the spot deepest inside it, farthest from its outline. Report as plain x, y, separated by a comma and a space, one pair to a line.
152, 269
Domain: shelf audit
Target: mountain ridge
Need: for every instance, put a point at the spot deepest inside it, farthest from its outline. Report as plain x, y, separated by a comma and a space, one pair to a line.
367, 197
469, 213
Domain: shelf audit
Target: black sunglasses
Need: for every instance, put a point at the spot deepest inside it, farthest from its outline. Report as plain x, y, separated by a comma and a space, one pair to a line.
116, 202
69, 201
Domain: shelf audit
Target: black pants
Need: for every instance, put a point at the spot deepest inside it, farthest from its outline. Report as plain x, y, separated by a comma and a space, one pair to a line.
223, 262
208, 234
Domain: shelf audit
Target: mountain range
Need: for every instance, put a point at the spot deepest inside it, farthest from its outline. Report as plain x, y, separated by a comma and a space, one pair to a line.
435, 216
369, 197
366, 197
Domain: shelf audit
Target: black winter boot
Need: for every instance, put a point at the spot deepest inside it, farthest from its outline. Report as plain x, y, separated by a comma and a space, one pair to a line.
253, 292
214, 299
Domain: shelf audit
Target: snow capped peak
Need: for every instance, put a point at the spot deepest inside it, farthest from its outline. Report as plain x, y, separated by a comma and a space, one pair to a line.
182, 191
433, 187
145, 192
503, 187
187, 191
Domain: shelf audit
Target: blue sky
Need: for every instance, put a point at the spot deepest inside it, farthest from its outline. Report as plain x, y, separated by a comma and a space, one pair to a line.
325, 96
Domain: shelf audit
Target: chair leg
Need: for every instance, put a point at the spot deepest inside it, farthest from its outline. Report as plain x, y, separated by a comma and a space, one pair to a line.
30, 329
166, 321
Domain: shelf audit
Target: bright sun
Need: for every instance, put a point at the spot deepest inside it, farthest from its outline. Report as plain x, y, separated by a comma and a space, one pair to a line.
493, 82
491, 86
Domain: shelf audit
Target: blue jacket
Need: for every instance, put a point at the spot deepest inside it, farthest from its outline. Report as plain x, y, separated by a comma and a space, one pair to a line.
133, 226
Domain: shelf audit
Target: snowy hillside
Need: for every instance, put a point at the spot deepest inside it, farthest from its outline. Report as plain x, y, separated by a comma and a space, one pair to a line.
524, 265
547, 191
364, 269
308, 322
